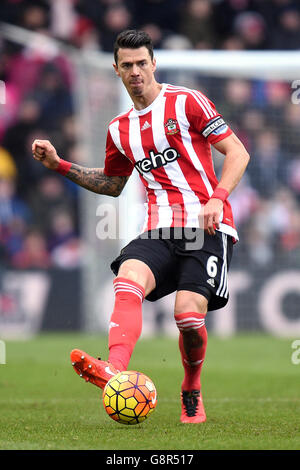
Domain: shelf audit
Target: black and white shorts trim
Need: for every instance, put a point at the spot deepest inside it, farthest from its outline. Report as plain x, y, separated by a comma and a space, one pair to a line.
175, 268
222, 290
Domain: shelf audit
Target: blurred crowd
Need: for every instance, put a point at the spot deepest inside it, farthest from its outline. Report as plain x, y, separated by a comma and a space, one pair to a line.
39, 210
266, 204
198, 24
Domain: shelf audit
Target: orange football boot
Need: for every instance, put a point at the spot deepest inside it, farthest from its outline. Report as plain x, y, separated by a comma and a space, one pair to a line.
92, 370
192, 408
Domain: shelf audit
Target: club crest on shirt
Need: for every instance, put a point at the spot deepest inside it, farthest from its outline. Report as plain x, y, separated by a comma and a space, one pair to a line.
171, 126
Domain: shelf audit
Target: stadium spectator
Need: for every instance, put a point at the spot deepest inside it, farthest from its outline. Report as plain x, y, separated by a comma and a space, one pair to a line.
116, 18
252, 121
46, 199
237, 98
16, 138
176, 42
290, 137
61, 230
155, 33
259, 238
290, 238
250, 27
267, 167
91, 10
53, 97
69, 255
85, 35
65, 246
225, 13
159, 12
244, 202
283, 221
276, 96
197, 24
293, 176
67, 135
34, 253
287, 35
232, 43
35, 16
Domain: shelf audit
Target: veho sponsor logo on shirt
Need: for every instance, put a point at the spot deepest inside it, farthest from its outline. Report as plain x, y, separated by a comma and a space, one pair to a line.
156, 160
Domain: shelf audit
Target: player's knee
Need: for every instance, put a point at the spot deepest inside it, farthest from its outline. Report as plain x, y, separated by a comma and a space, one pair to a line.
138, 273
131, 275
190, 302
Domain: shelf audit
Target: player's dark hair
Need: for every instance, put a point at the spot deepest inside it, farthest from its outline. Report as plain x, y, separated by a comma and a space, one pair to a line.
133, 39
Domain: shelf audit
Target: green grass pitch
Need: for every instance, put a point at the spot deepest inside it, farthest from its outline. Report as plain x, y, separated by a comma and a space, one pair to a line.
250, 391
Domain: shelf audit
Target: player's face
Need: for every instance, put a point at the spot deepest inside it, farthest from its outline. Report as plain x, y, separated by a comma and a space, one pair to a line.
136, 70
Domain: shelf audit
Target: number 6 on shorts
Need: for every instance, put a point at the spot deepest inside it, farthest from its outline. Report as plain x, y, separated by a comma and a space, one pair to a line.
211, 266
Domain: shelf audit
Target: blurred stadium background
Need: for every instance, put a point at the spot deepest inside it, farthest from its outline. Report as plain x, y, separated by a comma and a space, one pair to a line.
56, 72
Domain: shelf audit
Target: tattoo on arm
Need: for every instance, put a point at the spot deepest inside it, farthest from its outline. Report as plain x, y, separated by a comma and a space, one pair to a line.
95, 180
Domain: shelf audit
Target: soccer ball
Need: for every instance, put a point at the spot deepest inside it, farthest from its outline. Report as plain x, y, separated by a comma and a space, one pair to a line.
129, 397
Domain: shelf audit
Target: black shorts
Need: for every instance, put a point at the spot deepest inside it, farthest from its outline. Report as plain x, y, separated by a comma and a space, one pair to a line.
177, 267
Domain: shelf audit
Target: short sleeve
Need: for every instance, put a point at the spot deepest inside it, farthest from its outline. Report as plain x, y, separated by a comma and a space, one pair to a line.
204, 118
116, 163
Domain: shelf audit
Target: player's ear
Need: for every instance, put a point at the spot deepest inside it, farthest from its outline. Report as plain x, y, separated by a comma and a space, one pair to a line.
154, 64
116, 69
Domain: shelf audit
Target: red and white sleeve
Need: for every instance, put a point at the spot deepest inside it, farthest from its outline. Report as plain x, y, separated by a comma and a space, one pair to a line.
116, 163
205, 119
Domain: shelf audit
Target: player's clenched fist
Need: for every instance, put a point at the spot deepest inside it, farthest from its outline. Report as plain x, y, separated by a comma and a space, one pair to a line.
43, 151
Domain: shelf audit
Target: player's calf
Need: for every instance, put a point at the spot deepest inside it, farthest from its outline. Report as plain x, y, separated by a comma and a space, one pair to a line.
192, 345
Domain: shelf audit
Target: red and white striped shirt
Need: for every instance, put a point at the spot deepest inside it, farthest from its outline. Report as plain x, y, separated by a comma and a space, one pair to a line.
169, 145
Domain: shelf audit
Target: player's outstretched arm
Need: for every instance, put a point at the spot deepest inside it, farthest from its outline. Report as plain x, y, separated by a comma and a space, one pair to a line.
95, 180
92, 179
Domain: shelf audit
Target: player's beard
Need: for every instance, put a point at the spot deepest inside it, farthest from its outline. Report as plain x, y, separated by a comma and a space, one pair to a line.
137, 90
